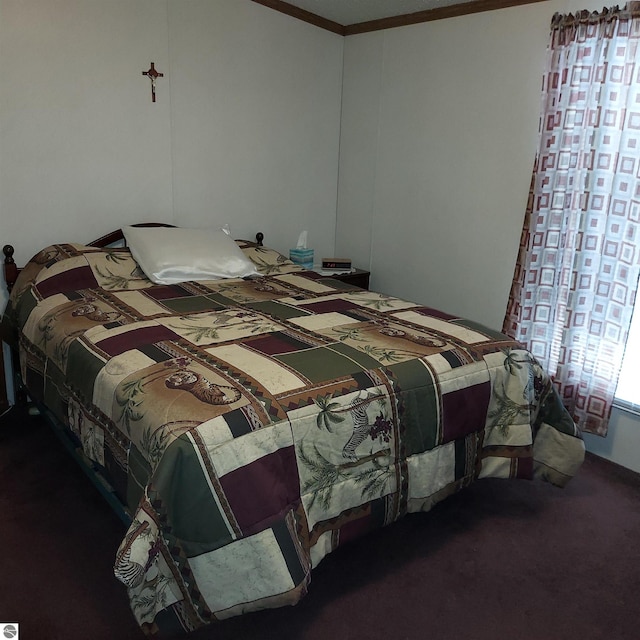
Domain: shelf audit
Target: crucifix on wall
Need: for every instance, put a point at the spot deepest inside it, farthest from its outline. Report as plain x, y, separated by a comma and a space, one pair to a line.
153, 74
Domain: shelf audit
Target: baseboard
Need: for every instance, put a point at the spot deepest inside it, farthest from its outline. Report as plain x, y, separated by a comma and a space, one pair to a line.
619, 471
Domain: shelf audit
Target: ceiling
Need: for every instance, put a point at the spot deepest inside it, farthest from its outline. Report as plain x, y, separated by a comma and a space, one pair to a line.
347, 12
348, 17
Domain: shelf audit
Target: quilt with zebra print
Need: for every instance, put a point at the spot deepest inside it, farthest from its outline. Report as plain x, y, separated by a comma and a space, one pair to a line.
251, 426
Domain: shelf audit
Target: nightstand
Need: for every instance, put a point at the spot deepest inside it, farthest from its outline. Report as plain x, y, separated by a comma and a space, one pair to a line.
358, 278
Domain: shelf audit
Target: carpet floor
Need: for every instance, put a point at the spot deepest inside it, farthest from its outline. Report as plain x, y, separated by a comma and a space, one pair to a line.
502, 559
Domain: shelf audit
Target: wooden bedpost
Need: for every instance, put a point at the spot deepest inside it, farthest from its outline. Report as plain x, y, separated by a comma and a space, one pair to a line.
259, 238
10, 269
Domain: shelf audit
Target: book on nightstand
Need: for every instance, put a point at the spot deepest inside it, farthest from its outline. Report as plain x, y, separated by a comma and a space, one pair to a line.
336, 263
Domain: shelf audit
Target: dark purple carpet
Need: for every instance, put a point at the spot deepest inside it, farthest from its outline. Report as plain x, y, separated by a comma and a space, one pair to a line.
502, 560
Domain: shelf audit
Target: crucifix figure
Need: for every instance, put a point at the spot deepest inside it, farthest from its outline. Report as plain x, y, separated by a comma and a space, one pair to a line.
152, 74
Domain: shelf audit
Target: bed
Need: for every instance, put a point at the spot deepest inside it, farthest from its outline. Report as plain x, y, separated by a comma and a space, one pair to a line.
248, 426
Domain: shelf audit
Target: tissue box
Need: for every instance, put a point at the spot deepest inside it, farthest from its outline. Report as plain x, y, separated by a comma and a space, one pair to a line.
303, 257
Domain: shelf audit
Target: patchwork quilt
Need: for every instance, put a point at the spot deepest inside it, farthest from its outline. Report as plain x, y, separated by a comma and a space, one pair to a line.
251, 426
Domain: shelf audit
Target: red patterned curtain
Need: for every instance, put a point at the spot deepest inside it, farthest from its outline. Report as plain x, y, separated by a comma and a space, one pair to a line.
577, 271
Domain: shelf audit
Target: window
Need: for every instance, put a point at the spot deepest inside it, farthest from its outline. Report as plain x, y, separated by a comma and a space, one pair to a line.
628, 390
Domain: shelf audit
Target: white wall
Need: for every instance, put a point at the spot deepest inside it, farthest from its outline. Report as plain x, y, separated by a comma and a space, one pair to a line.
256, 101
82, 149
245, 129
439, 133
622, 444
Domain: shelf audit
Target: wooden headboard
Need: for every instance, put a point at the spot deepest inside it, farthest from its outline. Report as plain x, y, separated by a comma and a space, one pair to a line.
11, 270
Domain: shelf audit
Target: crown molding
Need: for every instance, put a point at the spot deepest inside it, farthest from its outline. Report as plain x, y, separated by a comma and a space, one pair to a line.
452, 11
301, 14
440, 13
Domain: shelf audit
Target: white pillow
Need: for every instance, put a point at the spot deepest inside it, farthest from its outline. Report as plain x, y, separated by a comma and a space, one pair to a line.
170, 255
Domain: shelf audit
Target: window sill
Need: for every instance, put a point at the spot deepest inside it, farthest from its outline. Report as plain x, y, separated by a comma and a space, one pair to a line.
628, 407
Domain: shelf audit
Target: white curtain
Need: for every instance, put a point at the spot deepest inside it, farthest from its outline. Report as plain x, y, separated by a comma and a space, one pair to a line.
576, 278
